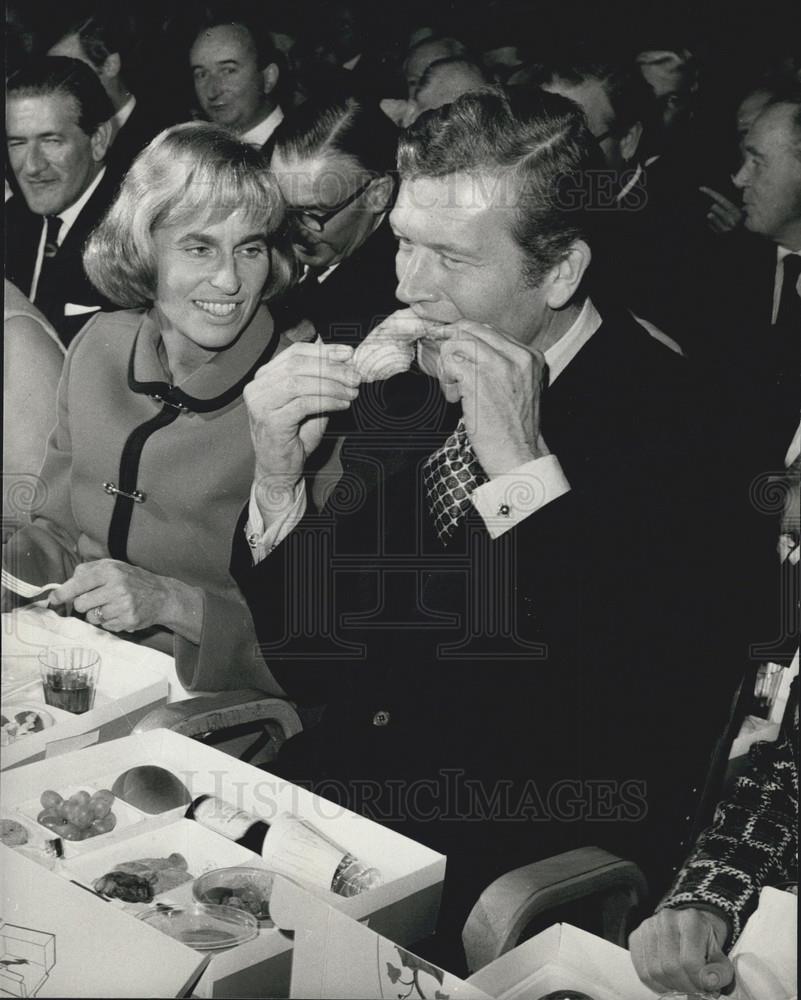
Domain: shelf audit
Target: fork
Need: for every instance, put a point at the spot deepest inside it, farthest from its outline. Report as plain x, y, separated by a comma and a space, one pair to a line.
31, 593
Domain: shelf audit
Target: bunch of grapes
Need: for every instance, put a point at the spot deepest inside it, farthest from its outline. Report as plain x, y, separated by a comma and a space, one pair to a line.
80, 816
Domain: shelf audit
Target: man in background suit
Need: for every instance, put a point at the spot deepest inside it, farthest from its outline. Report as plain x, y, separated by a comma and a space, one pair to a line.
236, 73
335, 162
500, 602
770, 179
650, 215
102, 41
58, 133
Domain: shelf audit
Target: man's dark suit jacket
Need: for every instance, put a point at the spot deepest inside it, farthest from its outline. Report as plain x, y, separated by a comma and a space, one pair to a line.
354, 298
70, 283
653, 248
575, 649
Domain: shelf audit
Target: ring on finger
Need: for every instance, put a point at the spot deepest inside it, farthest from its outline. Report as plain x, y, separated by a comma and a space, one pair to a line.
95, 615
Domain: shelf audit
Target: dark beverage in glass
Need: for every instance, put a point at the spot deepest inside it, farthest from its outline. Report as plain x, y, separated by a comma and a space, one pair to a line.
69, 677
72, 694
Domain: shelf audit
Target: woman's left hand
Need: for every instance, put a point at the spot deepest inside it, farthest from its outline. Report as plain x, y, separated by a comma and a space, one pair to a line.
124, 598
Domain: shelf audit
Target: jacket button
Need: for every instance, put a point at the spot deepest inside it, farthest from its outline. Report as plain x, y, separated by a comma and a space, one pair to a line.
381, 718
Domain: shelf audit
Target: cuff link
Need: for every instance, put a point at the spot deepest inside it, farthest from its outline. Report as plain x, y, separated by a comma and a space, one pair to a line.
253, 540
504, 510
381, 718
137, 496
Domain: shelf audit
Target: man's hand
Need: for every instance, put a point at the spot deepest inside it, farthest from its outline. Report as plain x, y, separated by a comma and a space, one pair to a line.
499, 383
124, 598
723, 216
682, 950
288, 404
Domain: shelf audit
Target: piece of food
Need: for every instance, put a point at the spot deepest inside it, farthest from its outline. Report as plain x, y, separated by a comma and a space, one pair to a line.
29, 722
126, 886
151, 789
380, 357
80, 816
246, 889
49, 799
140, 880
13, 834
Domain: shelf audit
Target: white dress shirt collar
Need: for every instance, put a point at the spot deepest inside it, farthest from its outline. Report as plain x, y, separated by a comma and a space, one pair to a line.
559, 355
259, 134
629, 183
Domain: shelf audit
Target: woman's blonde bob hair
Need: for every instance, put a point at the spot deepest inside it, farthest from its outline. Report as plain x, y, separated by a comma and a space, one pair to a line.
195, 171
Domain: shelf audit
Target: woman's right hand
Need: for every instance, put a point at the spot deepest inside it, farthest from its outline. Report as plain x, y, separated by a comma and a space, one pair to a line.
682, 949
288, 403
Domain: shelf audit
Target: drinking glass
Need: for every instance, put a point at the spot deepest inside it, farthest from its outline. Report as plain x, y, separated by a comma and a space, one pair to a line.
69, 677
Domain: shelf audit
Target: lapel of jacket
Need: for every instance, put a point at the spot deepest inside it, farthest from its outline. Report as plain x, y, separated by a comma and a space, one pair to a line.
91, 213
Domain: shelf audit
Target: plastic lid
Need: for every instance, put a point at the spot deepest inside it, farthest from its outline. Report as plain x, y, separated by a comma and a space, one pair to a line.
203, 926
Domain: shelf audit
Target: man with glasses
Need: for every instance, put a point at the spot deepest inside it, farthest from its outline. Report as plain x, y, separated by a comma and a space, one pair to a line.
335, 165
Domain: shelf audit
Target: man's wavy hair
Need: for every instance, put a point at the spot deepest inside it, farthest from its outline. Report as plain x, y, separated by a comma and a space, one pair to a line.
44, 76
533, 145
341, 126
195, 171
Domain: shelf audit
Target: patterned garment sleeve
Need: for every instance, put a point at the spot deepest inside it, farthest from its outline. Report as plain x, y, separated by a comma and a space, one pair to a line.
753, 840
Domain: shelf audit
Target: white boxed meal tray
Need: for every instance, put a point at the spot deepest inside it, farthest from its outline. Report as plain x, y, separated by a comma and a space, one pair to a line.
58, 944
336, 956
404, 908
562, 958
133, 680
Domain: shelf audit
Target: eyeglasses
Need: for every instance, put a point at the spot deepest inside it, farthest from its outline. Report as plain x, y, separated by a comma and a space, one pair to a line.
317, 221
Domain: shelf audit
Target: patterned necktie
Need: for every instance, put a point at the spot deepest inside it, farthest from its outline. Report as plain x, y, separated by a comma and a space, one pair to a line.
450, 475
53, 224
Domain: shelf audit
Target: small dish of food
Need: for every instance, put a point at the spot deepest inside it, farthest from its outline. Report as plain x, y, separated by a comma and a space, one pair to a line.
243, 888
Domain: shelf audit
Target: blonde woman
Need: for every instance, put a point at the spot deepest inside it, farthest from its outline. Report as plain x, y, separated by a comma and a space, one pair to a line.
151, 462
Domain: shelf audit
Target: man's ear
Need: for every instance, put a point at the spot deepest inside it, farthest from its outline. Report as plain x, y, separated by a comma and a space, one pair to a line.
270, 75
111, 67
101, 140
564, 279
630, 141
379, 194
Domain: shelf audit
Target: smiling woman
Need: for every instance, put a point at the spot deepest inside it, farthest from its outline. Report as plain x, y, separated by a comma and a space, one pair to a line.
150, 464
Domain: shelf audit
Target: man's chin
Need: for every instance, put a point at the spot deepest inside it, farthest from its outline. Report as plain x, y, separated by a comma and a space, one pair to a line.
320, 257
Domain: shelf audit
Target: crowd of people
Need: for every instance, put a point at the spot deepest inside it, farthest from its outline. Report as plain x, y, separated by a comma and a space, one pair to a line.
435, 374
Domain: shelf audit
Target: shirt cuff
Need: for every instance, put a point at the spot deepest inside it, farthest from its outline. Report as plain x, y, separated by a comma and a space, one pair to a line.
263, 541
513, 496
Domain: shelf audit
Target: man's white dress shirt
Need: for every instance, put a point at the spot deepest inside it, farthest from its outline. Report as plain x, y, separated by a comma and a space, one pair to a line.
259, 134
